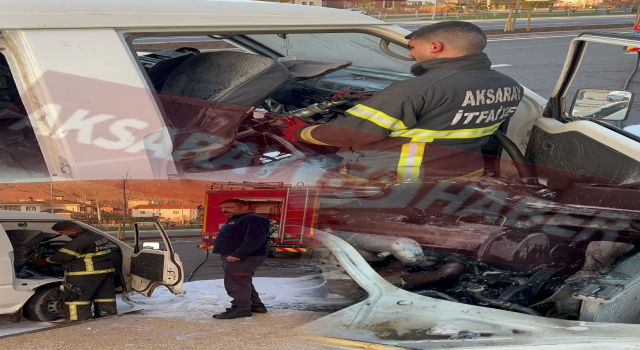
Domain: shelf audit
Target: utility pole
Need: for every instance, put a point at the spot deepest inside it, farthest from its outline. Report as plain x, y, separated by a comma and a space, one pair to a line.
435, 9
98, 211
51, 191
124, 207
51, 194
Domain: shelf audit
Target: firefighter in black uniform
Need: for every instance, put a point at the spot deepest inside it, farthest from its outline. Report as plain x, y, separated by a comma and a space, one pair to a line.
242, 245
89, 273
432, 125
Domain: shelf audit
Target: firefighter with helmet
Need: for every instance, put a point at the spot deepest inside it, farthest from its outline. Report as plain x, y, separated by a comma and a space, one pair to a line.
89, 273
432, 125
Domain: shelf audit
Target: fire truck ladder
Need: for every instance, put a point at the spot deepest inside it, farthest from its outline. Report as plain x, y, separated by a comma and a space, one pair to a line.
293, 212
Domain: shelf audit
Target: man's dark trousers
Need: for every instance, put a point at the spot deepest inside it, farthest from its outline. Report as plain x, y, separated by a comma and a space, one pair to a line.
99, 289
238, 281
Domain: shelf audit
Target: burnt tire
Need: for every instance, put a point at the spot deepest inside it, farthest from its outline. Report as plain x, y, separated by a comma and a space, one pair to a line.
44, 305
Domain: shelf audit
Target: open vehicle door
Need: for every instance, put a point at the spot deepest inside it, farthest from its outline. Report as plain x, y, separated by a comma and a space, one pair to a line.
155, 264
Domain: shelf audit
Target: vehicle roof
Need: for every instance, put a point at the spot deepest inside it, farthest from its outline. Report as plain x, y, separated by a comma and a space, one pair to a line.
34, 14
29, 215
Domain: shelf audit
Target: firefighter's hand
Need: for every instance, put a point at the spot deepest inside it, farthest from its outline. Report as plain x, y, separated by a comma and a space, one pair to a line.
290, 132
232, 259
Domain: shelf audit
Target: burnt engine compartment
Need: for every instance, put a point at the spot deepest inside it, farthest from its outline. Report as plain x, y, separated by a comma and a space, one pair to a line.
33, 245
213, 135
42, 251
457, 278
487, 243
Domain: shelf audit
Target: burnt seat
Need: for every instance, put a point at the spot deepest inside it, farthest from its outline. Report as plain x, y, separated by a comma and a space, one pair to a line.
227, 76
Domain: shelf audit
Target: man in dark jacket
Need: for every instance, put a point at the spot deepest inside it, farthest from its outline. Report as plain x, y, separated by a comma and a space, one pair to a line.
89, 273
242, 245
432, 125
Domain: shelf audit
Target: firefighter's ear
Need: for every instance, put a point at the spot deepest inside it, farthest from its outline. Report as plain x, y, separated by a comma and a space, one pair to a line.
436, 46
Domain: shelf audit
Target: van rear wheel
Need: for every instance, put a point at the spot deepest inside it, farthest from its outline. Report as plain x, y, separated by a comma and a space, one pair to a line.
44, 305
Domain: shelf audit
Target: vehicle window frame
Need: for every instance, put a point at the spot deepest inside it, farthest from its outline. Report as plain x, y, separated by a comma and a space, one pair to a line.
128, 36
16, 75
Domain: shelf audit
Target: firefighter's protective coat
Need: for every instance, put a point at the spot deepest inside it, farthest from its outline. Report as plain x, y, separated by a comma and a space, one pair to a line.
441, 118
89, 270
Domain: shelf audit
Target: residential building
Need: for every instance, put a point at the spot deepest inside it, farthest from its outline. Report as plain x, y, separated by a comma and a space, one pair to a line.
42, 205
132, 203
22, 206
175, 213
301, 2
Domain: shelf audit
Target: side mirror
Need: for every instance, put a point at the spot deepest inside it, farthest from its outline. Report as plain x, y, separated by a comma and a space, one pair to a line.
151, 245
601, 104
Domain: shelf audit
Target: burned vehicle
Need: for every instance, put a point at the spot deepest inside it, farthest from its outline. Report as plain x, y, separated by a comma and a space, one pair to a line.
31, 289
207, 92
552, 241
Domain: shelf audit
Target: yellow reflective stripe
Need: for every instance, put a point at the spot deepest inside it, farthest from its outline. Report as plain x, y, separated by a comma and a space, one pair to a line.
410, 161
73, 312
94, 272
88, 263
103, 252
88, 258
70, 252
377, 117
112, 300
469, 175
305, 135
73, 308
426, 135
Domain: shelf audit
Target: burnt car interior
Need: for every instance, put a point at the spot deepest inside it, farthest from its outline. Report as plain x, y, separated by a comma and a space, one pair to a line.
248, 98
33, 242
223, 135
549, 249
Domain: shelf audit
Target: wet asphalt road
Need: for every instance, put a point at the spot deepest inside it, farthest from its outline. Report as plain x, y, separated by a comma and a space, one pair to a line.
185, 244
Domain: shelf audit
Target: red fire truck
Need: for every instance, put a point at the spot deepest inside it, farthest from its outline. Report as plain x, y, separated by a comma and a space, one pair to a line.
292, 210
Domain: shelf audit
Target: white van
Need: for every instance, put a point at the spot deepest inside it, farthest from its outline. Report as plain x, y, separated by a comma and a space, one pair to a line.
32, 289
197, 89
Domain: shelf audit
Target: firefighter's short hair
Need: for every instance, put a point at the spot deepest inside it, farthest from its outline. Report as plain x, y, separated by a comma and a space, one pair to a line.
66, 226
238, 201
465, 36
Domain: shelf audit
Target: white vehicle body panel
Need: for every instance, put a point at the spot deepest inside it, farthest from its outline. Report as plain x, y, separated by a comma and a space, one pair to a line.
38, 14
12, 299
529, 110
15, 291
123, 131
64, 84
623, 145
395, 317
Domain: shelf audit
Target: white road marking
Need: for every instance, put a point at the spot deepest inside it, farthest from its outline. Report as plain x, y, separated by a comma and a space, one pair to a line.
534, 37
500, 65
525, 36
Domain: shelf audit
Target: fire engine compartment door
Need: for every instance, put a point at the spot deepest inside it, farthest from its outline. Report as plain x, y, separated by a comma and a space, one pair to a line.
152, 266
